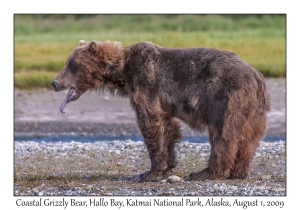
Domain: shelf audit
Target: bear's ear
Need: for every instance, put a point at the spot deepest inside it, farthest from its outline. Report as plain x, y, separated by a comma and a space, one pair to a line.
81, 42
93, 47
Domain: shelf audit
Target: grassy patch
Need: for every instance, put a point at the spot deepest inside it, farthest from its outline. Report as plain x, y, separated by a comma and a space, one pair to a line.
41, 56
60, 24
266, 55
32, 79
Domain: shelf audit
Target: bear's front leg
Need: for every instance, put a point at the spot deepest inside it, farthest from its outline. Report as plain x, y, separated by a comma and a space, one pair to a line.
153, 137
151, 122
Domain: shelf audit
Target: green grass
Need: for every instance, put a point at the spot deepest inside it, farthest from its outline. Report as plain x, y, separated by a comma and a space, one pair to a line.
60, 24
32, 79
44, 42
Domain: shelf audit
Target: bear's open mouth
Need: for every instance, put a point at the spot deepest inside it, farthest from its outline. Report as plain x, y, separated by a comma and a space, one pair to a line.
71, 94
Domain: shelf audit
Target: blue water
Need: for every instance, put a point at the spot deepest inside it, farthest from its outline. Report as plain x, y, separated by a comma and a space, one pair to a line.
69, 138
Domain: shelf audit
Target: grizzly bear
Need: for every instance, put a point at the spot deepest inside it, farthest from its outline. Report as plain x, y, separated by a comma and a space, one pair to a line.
203, 87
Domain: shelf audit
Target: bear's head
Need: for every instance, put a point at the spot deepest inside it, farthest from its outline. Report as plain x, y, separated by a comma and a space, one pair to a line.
90, 67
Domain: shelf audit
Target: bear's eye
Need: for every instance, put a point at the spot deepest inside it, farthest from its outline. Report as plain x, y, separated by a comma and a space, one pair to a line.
73, 66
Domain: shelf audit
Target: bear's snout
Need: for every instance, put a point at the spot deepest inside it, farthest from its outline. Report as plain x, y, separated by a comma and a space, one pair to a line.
54, 84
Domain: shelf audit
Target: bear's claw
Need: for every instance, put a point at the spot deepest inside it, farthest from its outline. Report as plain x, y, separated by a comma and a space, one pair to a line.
148, 177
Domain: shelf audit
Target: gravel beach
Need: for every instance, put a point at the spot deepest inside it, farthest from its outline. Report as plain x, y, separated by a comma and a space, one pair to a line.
109, 167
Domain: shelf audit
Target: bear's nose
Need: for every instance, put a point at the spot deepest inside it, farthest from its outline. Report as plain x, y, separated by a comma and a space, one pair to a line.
54, 83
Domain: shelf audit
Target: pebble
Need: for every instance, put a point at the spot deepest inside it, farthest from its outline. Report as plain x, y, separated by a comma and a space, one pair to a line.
89, 187
116, 152
186, 144
265, 177
173, 179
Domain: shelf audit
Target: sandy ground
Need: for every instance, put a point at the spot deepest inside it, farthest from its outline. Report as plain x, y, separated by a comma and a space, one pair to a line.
42, 106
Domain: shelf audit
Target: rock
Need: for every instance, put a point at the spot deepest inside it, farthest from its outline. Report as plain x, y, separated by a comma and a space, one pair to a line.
117, 152
199, 148
173, 179
89, 187
186, 144
40, 194
265, 177
280, 189
129, 141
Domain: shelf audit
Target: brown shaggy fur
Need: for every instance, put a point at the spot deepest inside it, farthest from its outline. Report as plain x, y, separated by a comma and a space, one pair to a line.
200, 86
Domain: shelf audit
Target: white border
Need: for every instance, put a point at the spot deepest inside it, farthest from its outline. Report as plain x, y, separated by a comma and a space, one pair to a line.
29, 6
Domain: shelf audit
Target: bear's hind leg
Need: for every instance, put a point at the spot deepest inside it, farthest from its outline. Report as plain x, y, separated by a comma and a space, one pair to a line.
254, 130
220, 162
242, 162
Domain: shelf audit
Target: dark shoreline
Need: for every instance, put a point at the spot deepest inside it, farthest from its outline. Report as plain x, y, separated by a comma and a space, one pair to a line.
98, 128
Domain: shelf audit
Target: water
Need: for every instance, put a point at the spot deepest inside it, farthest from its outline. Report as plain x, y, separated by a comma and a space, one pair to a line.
69, 138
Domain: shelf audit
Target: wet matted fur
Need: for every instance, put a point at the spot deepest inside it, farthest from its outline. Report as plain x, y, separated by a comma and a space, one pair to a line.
200, 86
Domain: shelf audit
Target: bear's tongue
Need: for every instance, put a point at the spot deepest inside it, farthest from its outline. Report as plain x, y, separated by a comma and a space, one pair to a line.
69, 96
